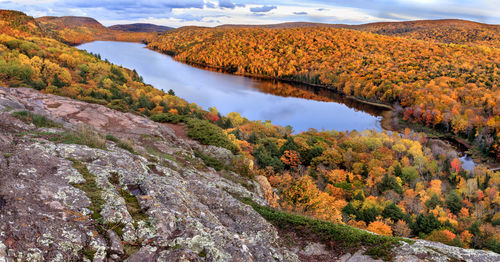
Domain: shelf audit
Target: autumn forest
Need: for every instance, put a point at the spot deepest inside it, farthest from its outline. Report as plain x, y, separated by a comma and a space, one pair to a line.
398, 182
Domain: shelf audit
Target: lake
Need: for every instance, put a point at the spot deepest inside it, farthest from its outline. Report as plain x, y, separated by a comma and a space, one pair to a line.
283, 104
301, 107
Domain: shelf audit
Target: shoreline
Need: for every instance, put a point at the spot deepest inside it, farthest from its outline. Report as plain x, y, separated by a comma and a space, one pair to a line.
379, 105
386, 111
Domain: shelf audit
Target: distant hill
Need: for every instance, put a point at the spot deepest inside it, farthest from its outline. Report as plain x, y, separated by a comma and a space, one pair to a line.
443, 31
284, 25
75, 30
18, 23
141, 27
72, 29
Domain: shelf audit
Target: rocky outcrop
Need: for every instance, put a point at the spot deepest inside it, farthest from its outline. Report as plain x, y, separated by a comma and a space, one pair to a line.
152, 200
183, 213
271, 197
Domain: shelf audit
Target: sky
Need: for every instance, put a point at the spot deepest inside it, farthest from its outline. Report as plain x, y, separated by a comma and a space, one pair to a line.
178, 13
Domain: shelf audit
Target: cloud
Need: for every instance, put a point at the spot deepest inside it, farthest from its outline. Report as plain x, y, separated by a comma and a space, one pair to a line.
226, 4
128, 4
209, 5
188, 12
262, 9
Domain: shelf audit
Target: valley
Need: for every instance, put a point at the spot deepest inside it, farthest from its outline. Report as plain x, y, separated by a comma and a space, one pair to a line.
140, 156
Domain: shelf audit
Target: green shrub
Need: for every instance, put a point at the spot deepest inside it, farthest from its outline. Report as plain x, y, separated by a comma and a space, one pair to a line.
210, 161
167, 118
208, 134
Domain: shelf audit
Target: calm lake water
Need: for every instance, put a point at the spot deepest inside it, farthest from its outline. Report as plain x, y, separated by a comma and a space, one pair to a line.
282, 103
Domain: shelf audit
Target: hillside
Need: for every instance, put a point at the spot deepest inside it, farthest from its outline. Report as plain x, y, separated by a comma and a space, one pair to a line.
77, 30
140, 27
440, 31
450, 88
139, 193
17, 23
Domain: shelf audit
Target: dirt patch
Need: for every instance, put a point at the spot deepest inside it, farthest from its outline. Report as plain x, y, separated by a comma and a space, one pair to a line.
180, 130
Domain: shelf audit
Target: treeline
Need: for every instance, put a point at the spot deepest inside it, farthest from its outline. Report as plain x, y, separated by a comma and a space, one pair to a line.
452, 88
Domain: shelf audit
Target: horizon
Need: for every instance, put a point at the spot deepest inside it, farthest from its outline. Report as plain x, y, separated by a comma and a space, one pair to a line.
211, 13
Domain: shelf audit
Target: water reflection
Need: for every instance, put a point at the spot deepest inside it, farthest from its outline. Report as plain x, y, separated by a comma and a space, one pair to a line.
467, 162
282, 103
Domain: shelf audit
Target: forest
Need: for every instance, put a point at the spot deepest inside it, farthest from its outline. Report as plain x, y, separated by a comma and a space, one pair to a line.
391, 183
441, 31
448, 87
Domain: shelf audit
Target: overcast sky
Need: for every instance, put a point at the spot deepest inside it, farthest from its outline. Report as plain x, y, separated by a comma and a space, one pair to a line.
215, 12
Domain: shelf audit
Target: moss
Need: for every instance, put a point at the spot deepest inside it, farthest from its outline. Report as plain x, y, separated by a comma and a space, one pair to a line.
202, 253
130, 249
37, 120
153, 151
343, 235
7, 155
90, 188
210, 161
89, 253
133, 206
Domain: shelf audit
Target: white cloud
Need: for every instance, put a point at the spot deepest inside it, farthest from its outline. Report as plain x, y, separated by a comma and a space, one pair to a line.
215, 12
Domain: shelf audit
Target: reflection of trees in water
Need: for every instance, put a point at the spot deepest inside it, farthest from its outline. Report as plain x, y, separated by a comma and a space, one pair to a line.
285, 89
314, 93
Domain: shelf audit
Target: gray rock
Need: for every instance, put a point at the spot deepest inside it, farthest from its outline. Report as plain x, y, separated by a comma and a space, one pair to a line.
314, 249
221, 154
115, 242
183, 212
10, 104
145, 254
358, 257
433, 251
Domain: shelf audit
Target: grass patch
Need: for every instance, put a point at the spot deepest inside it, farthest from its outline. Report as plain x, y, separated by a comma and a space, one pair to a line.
117, 227
83, 136
37, 120
341, 235
121, 144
